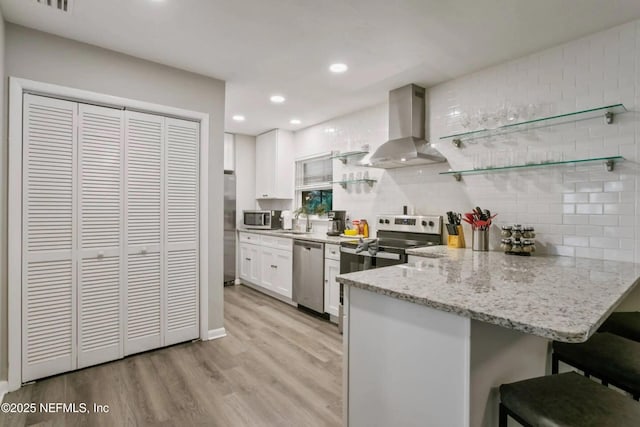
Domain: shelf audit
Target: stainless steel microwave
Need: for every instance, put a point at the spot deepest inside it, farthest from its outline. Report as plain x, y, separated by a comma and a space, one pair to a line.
262, 219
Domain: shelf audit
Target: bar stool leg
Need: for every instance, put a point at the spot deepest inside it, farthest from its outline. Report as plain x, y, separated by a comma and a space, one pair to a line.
554, 363
502, 417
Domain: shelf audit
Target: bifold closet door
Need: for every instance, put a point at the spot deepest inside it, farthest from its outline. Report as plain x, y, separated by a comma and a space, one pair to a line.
144, 142
100, 226
182, 291
48, 259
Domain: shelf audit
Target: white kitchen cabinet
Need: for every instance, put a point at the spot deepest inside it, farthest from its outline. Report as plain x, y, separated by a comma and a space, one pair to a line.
229, 152
331, 287
277, 271
250, 263
267, 263
274, 165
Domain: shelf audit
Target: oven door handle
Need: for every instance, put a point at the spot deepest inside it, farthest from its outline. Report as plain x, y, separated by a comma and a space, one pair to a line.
381, 254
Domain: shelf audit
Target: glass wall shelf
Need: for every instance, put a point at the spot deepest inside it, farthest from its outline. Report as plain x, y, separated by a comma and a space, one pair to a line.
344, 157
607, 112
344, 184
608, 161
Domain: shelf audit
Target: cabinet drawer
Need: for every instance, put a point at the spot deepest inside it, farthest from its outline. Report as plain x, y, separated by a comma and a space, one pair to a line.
249, 238
282, 243
332, 251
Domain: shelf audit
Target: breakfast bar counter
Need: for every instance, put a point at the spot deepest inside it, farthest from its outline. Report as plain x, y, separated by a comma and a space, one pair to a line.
429, 342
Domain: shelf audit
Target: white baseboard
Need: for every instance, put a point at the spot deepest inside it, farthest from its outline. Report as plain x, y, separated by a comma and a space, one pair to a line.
4, 388
214, 334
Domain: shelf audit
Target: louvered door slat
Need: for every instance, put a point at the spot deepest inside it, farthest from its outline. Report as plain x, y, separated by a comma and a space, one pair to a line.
144, 145
48, 281
100, 170
182, 292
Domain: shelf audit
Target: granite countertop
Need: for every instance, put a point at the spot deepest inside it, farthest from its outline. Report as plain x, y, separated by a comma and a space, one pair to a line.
560, 298
312, 237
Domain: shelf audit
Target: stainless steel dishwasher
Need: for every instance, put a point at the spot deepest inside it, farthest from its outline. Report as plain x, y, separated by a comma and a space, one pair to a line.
308, 274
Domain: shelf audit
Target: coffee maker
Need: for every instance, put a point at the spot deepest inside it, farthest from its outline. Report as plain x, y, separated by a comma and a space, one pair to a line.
337, 221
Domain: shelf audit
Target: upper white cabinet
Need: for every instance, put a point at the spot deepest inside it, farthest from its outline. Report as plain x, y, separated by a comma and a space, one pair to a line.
274, 165
229, 152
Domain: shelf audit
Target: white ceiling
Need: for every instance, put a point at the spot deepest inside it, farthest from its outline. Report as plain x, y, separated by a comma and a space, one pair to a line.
262, 47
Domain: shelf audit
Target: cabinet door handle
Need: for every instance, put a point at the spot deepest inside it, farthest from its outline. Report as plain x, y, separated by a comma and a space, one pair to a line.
100, 254
247, 259
274, 266
143, 251
265, 195
326, 280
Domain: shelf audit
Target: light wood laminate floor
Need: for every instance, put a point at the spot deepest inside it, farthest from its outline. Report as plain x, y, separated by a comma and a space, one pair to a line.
276, 367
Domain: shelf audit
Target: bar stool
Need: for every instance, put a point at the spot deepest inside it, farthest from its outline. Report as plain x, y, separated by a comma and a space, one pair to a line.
625, 324
568, 400
612, 359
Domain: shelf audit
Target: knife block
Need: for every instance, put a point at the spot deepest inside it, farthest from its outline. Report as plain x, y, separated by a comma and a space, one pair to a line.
456, 241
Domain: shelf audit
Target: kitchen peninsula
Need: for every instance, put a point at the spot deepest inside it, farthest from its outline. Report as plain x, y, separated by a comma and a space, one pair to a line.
429, 342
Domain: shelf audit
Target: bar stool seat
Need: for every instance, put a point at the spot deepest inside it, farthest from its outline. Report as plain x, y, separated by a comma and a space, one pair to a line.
613, 359
566, 400
625, 324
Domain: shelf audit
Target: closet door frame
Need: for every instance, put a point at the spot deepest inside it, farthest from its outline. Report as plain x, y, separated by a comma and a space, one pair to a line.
17, 88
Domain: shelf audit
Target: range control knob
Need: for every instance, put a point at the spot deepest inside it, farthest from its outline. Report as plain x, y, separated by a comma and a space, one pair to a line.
386, 221
381, 221
431, 223
424, 223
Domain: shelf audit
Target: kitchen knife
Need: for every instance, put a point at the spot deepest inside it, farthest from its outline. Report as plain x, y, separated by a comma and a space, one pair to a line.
452, 229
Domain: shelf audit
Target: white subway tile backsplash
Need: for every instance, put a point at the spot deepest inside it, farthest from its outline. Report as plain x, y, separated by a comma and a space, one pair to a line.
609, 220
575, 219
603, 197
578, 210
576, 241
592, 208
604, 242
589, 230
575, 197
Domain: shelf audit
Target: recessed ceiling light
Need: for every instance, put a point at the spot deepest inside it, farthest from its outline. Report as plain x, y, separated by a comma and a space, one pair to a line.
295, 121
338, 68
330, 130
277, 99
238, 118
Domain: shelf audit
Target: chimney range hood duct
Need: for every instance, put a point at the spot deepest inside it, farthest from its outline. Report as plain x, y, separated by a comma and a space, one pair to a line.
407, 145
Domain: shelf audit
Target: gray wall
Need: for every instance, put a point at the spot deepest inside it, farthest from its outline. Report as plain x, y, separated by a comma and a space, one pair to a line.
43, 57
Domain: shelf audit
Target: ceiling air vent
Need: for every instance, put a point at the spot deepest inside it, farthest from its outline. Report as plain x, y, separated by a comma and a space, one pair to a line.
61, 5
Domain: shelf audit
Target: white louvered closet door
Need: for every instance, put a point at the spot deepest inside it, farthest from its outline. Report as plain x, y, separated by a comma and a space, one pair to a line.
48, 274
182, 307
100, 170
144, 141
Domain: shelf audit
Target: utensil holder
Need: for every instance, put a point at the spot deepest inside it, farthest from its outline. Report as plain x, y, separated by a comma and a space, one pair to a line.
480, 240
456, 241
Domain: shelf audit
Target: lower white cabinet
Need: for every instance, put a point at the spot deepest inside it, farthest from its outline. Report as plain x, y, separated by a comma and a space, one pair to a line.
331, 286
250, 262
277, 271
267, 262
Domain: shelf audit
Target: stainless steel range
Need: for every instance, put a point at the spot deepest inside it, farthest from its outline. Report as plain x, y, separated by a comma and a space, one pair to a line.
396, 234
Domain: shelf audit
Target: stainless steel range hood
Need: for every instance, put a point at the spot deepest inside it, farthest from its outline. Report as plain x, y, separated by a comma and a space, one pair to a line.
407, 145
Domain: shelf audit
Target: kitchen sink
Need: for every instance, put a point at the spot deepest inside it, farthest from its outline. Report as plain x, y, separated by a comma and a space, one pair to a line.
292, 232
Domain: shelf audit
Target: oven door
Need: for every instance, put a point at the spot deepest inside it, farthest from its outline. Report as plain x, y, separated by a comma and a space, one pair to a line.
350, 261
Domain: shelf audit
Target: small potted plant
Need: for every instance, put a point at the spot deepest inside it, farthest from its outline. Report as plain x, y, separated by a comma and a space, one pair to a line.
308, 208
